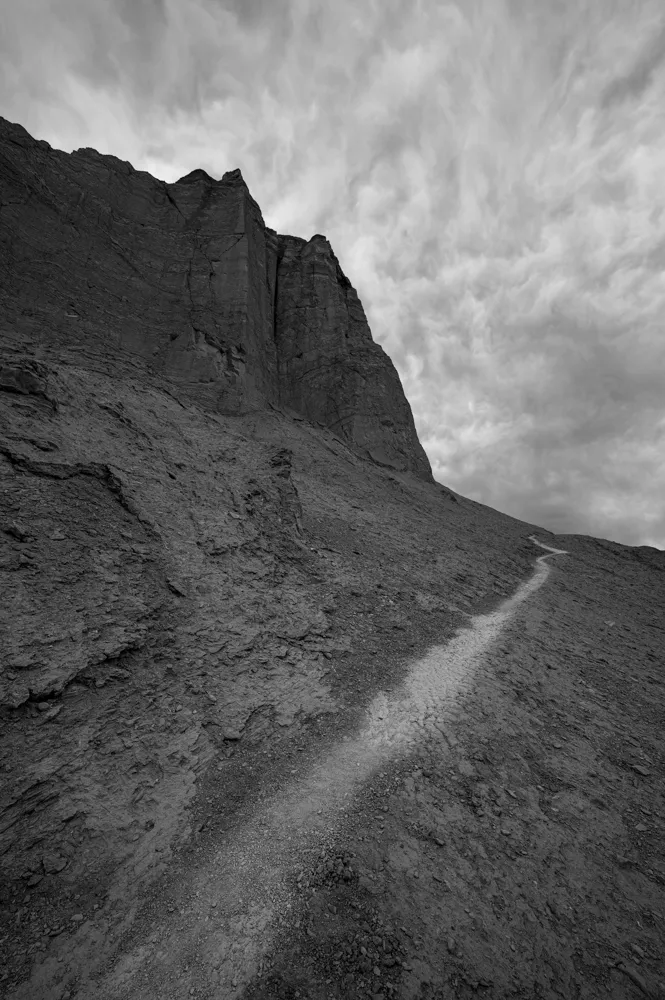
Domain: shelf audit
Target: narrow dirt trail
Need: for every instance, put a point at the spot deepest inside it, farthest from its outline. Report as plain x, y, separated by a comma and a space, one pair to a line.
238, 894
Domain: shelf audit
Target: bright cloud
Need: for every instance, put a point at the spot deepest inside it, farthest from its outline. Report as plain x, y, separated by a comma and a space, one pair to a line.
489, 173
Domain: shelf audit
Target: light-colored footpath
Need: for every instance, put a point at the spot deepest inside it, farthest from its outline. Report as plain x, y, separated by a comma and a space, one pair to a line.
240, 893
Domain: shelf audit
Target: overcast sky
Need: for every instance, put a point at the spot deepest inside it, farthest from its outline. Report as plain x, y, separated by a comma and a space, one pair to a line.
490, 173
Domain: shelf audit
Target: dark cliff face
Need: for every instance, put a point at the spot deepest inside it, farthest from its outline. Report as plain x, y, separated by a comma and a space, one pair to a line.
107, 261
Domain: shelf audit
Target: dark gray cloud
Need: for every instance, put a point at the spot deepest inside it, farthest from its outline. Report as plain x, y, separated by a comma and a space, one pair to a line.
255, 13
632, 85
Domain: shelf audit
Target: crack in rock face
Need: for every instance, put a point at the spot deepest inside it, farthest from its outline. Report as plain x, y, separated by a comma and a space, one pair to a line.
245, 884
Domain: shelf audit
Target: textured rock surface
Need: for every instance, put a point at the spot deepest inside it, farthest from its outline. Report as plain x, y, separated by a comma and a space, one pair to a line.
179, 588
199, 608
330, 369
100, 259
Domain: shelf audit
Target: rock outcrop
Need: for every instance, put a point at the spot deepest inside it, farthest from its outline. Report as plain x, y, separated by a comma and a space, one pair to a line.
226, 639
100, 260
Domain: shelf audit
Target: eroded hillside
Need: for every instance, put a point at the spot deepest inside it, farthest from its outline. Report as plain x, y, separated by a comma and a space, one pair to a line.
198, 608
180, 581
281, 716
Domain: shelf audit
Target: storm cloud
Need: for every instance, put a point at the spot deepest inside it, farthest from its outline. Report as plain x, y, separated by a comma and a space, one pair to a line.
489, 172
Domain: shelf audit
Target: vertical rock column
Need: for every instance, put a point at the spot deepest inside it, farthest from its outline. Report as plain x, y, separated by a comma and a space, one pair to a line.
330, 369
229, 287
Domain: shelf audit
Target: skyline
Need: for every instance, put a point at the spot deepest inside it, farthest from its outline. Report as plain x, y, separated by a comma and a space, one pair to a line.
488, 174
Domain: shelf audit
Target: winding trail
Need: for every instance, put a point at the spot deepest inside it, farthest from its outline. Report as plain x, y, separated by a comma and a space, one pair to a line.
241, 892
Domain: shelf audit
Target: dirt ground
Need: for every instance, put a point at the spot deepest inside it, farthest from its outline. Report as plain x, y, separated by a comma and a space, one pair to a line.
277, 723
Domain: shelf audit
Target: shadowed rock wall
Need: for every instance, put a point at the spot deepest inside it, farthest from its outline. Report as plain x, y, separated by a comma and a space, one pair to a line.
330, 369
106, 262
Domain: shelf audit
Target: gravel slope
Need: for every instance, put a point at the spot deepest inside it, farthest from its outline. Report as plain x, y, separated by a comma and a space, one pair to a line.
218, 626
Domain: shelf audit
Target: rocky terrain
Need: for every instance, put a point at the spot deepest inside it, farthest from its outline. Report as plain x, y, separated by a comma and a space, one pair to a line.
281, 716
105, 262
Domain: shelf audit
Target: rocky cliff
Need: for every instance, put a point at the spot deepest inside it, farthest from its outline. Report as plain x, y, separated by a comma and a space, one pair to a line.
98, 259
215, 618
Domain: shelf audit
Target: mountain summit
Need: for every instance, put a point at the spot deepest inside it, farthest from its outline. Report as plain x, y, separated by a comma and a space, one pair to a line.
99, 258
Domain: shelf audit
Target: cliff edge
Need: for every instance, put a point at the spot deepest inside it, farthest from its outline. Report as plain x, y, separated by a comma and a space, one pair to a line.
104, 260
